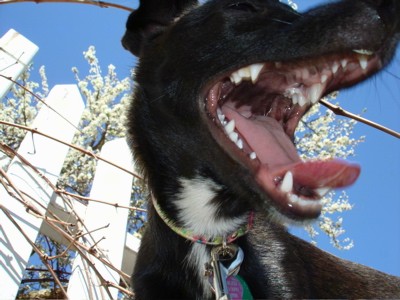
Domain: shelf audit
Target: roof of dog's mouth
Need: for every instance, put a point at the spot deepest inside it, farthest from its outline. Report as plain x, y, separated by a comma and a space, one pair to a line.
255, 110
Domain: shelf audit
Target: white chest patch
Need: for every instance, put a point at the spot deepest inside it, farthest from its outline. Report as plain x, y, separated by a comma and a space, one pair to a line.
198, 212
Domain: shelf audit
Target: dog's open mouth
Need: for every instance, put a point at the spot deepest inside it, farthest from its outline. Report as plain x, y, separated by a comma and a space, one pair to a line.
255, 111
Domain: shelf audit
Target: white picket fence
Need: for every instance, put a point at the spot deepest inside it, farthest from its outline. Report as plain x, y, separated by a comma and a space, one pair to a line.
110, 184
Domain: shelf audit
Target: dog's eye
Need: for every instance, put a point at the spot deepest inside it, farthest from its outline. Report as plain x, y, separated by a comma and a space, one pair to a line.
243, 6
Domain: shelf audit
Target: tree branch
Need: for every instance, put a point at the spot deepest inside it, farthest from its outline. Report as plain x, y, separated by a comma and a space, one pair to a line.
101, 4
337, 110
69, 145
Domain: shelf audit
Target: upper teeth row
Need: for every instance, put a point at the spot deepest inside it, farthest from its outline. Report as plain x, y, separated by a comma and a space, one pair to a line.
286, 187
229, 128
247, 73
310, 95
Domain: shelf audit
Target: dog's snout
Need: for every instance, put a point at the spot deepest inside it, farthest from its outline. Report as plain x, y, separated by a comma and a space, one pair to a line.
388, 11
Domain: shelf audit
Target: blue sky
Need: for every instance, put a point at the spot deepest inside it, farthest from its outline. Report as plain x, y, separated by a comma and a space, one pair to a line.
64, 31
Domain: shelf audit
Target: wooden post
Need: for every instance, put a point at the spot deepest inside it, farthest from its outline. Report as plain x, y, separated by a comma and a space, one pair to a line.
47, 156
16, 53
107, 224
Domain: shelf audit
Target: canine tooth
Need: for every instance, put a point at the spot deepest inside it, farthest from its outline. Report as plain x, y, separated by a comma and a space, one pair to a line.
344, 63
230, 127
233, 136
255, 70
324, 78
335, 67
253, 155
287, 183
315, 92
322, 191
239, 144
363, 61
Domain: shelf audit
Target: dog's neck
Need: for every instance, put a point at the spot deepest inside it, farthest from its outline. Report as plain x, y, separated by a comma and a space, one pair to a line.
202, 238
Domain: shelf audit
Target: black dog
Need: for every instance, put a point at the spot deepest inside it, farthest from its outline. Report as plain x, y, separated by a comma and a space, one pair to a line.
220, 90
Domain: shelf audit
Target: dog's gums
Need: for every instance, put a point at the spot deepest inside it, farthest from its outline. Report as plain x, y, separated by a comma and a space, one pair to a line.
256, 110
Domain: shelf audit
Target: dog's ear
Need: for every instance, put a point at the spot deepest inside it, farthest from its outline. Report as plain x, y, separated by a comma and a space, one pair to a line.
150, 19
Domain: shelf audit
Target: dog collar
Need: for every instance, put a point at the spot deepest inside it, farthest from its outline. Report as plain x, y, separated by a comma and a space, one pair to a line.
202, 239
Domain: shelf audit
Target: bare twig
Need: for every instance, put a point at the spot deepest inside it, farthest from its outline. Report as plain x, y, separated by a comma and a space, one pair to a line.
69, 145
40, 100
123, 290
101, 4
42, 257
337, 110
58, 191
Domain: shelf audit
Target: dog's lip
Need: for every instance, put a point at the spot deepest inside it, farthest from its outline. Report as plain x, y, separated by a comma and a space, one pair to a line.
341, 71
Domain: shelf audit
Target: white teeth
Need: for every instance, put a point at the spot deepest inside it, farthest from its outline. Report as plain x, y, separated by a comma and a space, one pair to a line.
335, 68
324, 78
344, 63
294, 198
278, 65
233, 136
322, 191
295, 99
239, 144
315, 92
247, 73
302, 100
363, 61
287, 183
230, 127
236, 78
253, 156
221, 116
364, 52
255, 70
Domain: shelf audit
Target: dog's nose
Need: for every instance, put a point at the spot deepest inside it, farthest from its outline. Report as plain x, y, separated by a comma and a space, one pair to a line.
389, 12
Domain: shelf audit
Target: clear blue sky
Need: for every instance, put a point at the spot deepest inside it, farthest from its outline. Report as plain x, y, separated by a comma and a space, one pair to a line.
64, 31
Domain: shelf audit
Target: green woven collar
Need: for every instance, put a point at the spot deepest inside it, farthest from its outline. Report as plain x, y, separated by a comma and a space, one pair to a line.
202, 239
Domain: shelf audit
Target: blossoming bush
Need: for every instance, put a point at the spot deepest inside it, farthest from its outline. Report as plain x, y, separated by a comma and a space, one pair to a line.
321, 134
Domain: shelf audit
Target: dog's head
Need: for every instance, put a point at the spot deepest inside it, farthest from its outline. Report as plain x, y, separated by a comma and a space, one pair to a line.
222, 86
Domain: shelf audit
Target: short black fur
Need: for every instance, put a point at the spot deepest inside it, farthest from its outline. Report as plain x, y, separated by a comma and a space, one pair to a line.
183, 47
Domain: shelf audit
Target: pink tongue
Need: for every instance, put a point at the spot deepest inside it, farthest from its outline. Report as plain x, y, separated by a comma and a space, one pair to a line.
277, 155
265, 136
332, 173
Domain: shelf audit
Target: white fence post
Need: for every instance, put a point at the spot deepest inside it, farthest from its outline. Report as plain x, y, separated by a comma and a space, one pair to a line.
107, 223
48, 157
16, 53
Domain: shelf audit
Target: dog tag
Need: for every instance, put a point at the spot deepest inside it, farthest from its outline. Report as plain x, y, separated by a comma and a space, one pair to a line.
223, 266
